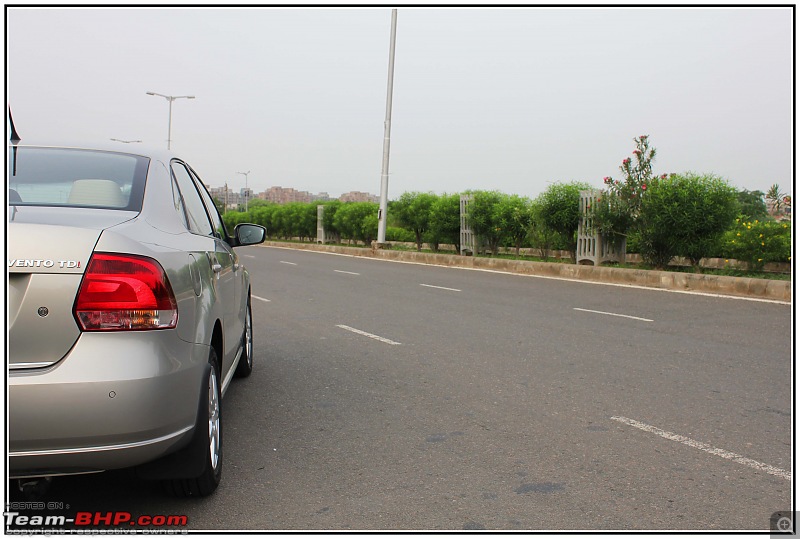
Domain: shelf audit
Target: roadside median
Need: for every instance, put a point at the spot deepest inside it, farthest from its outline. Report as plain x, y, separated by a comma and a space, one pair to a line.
766, 289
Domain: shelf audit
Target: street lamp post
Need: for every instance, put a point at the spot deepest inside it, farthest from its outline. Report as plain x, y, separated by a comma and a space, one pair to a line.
387, 128
170, 98
246, 193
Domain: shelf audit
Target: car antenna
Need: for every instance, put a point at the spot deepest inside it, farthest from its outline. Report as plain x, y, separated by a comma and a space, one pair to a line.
14, 134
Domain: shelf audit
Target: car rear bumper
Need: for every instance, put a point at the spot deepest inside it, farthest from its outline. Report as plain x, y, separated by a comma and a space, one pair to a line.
116, 400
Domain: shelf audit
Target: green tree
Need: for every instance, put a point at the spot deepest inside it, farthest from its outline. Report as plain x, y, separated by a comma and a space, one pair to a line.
328, 218
220, 205
261, 214
445, 221
396, 233
542, 237
514, 216
753, 205
559, 210
357, 221
484, 218
299, 220
685, 215
272, 221
413, 211
233, 218
280, 221
258, 203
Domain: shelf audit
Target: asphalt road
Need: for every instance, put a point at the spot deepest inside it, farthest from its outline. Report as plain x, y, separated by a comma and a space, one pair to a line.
391, 396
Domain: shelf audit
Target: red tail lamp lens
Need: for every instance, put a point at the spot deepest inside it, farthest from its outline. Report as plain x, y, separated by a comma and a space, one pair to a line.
124, 293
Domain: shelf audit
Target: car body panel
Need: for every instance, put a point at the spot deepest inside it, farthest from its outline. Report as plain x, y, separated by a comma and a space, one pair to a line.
41, 329
146, 391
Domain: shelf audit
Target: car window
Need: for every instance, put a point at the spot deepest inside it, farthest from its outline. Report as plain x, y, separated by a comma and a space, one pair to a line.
180, 206
216, 220
193, 204
40, 176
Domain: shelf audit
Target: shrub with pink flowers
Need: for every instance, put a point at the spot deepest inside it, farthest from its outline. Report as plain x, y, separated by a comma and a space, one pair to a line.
669, 215
618, 207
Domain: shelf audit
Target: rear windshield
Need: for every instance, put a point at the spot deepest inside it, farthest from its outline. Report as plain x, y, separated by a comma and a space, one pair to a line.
79, 178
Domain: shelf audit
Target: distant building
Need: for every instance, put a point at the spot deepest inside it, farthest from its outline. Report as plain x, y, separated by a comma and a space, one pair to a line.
285, 195
358, 196
322, 197
282, 195
228, 197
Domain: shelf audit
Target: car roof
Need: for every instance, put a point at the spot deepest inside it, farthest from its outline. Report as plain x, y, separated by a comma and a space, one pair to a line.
143, 150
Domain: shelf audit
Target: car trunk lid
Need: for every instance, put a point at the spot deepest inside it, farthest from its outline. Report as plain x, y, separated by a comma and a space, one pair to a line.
45, 265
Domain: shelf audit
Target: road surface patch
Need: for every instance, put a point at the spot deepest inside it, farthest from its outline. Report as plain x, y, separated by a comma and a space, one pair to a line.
540, 488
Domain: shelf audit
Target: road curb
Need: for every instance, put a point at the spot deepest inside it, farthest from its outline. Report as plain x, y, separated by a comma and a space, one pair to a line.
668, 280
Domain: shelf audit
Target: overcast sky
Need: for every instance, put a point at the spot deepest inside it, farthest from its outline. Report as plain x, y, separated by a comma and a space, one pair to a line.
484, 98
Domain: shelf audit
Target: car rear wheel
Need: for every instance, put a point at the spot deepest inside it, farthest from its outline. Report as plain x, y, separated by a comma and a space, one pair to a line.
207, 441
245, 366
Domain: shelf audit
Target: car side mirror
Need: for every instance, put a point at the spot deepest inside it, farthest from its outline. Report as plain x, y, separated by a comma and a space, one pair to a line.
248, 234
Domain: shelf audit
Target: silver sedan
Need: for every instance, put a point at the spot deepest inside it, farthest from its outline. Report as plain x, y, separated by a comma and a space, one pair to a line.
129, 315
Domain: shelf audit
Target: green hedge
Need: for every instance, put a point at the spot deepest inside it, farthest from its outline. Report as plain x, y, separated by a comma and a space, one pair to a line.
755, 242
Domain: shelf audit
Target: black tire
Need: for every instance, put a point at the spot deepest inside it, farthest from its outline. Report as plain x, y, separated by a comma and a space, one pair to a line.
245, 366
206, 444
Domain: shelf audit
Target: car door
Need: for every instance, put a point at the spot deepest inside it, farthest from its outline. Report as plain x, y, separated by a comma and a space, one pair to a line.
220, 258
232, 275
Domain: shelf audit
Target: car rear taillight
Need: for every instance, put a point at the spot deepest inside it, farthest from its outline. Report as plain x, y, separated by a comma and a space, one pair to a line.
123, 293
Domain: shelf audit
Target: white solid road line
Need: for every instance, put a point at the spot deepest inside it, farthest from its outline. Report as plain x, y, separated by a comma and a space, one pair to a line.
290, 263
347, 272
441, 287
707, 448
260, 299
365, 334
613, 314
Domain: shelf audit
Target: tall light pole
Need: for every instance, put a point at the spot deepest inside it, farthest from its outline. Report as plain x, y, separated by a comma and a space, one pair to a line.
170, 98
387, 128
245, 188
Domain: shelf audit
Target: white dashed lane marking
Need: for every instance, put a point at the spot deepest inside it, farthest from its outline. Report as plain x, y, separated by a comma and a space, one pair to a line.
365, 334
705, 447
441, 287
613, 314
